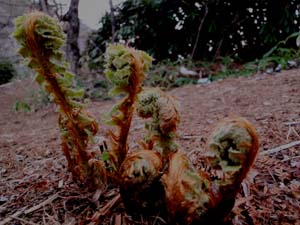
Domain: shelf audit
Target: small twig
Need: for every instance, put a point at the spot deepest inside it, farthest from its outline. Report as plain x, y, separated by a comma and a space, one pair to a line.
192, 152
292, 129
291, 158
23, 221
188, 137
109, 205
118, 219
280, 148
160, 219
105, 209
241, 201
10, 218
271, 174
292, 123
42, 204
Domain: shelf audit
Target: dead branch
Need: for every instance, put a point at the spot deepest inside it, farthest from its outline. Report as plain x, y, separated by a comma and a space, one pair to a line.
105, 209
23, 221
11, 217
42, 204
292, 123
30, 210
280, 148
199, 30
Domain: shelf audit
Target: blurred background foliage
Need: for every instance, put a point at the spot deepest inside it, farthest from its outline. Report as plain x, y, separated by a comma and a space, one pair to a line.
198, 30
7, 71
211, 39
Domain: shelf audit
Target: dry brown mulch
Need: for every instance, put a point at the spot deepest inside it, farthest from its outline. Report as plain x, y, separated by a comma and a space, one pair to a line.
36, 188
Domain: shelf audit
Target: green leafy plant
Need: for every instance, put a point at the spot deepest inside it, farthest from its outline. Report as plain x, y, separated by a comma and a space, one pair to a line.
7, 71
279, 54
157, 176
39, 99
164, 75
21, 106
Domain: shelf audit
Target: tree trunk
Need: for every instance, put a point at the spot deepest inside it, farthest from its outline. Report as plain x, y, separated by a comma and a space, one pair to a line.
72, 49
112, 17
44, 6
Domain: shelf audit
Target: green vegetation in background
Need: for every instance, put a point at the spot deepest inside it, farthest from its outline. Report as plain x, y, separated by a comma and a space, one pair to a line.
280, 54
7, 71
246, 28
166, 73
21, 106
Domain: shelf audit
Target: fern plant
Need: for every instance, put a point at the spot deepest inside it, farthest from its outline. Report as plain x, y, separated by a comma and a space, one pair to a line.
158, 175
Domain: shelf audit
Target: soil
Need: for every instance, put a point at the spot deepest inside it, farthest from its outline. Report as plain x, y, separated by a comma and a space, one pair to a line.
36, 188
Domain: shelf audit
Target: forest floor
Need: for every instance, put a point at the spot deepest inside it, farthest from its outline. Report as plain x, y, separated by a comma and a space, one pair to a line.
36, 188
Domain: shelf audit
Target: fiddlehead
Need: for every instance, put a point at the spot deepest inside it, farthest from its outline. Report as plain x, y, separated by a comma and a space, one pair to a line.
233, 147
163, 109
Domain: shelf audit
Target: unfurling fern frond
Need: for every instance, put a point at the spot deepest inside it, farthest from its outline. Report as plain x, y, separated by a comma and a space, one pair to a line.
125, 68
40, 39
164, 111
233, 147
193, 197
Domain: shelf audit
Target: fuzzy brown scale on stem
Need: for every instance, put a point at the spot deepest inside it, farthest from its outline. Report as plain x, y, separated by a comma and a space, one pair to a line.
42, 58
139, 180
188, 192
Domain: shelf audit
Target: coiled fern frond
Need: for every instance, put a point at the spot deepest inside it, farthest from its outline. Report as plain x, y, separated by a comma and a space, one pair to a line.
233, 147
164, 111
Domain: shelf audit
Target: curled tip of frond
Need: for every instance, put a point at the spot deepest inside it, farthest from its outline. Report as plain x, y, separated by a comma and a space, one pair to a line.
40, 38
188, 191
140, 168
162, 107
168, 114
126, 66
147, 102
233, 145
36, 31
